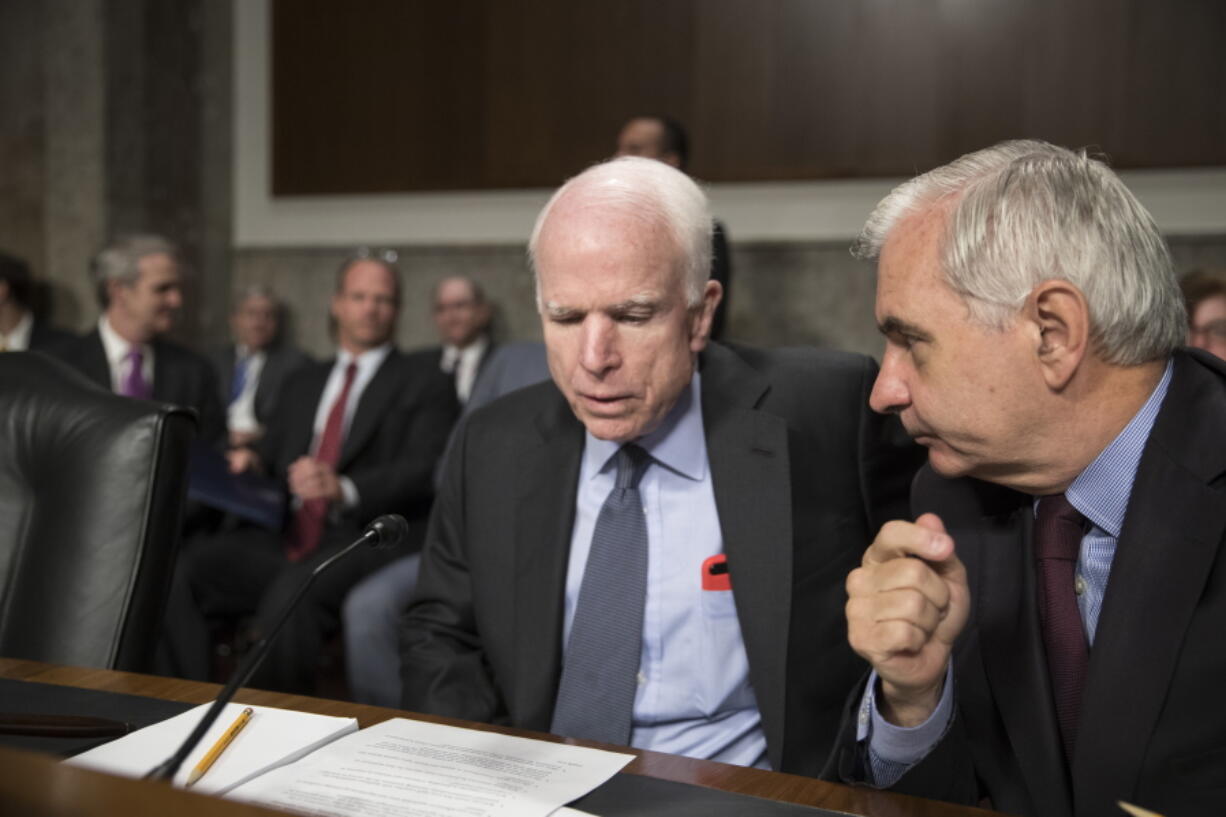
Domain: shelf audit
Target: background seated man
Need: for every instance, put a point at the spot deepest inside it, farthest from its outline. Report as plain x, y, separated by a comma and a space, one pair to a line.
352, 439
647, 550
255, 366
462, 318
20, 328
140, 289
1204, 294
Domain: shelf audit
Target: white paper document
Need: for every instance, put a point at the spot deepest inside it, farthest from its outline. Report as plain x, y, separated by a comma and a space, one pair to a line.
272, 738
418, 769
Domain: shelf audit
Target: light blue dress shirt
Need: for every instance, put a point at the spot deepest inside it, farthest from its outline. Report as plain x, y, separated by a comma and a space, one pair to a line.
694, 697
1100, 493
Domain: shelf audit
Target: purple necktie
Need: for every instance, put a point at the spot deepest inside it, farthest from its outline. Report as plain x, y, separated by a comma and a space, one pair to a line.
134, 385
1057, 541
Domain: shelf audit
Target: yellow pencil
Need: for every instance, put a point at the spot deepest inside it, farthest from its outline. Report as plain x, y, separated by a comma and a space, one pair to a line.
210, 758
1136, 811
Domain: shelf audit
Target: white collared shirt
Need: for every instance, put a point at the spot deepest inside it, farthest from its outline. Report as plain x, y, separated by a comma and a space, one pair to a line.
240, 414
117, 349
464, 363
19, 339
368, 363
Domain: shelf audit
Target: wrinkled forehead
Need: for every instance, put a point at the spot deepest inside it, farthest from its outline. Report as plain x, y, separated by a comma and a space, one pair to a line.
595, 256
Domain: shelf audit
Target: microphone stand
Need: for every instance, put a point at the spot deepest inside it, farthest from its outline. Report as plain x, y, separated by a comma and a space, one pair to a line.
167, 769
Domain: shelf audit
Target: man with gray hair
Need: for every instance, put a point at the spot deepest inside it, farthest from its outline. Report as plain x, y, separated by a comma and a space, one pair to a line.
1046, 635
140, 290
256, 365
648, 549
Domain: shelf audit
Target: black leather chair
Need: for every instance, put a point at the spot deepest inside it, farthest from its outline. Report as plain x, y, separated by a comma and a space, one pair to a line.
91, 497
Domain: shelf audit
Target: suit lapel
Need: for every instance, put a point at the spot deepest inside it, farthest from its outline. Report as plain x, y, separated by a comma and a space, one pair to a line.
750, 472
164, 376
544, 516
93, 360
300, 414
1170, 538
380, 391
1007, 619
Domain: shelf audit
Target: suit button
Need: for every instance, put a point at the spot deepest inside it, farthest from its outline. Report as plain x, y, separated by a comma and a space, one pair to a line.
1079, 586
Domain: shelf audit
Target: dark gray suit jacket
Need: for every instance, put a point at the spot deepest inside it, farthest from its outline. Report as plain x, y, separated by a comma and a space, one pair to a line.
180, 376
803, 474
1153, 721
280, 362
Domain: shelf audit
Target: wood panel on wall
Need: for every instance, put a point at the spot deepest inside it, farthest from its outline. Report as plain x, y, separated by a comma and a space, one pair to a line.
399, 95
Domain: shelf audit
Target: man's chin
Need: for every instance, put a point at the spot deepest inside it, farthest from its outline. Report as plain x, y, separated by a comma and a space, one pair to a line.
619, 428
945, 462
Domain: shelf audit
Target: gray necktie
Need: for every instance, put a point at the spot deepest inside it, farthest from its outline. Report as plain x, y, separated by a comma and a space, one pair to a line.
601, 666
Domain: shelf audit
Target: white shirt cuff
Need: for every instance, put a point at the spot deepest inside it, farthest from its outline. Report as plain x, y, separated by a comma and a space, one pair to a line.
349, 493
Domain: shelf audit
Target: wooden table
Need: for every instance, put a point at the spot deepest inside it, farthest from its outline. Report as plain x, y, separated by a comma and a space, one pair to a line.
36, 785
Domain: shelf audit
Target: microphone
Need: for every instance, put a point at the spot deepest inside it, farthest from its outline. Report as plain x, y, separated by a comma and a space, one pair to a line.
385, 532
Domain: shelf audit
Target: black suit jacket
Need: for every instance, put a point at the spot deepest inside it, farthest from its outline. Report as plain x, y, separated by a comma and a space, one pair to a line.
490, 346
397, 434
1153, 722
45, 338
280, 362
180, 376
802, 472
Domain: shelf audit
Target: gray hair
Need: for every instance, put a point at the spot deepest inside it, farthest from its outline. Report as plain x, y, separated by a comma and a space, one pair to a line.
257, 291
119, 261
649, 191
1023, 212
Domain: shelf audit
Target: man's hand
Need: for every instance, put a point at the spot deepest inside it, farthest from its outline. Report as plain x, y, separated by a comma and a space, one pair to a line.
244, 439
242, 460
310, 478
907, 602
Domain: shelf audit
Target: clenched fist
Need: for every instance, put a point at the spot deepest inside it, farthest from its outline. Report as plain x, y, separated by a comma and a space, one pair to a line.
906, 604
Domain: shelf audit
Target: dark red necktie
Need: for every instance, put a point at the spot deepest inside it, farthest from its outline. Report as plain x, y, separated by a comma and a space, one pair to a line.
1058, 530
307, 526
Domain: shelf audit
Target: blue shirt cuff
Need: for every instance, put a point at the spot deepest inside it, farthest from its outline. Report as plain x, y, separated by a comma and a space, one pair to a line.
892, 749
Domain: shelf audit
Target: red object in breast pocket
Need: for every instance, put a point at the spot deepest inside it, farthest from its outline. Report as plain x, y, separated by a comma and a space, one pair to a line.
715, 574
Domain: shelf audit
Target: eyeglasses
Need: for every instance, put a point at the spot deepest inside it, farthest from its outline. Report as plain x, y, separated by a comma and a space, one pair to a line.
387, 256
1214, 330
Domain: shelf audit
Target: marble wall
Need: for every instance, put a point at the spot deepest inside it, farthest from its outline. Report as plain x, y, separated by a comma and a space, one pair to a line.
783, 293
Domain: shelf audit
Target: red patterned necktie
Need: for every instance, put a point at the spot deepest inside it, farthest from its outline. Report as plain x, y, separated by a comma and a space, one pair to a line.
307, 526
1058, 531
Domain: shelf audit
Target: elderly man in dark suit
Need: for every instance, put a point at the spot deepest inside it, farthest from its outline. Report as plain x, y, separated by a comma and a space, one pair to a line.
256, 365
352, 439
1047, 634
647, 549
139, 287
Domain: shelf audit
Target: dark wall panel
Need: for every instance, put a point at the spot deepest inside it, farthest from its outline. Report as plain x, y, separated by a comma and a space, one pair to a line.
398, 95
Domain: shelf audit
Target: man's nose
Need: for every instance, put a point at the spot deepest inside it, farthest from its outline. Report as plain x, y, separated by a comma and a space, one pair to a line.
890, 393
599, 353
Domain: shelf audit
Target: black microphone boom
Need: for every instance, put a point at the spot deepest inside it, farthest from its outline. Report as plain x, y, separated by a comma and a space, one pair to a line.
384, 532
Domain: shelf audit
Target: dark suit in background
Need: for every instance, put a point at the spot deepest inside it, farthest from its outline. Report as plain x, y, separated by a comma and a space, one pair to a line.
47, 338
180, 376
280, 361
1153, 727
397, 433
802, 473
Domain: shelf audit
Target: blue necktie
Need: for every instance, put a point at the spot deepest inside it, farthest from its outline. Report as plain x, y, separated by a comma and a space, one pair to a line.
601, 666
240, 377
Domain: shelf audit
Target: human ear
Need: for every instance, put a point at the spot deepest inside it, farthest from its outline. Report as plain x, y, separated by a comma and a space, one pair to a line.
1061, 315
703, 314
